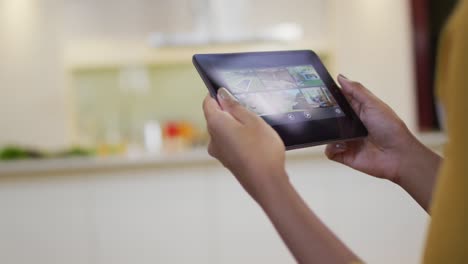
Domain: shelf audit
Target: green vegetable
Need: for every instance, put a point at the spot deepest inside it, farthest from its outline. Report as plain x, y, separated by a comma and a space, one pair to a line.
19, 153
16, 153
75, 152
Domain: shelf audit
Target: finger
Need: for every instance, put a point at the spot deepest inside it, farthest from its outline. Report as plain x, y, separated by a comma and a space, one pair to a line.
339, 157
336, 150
210, 107
230, 104
211, 144
354, 104
216, 118
212, 149
356, 91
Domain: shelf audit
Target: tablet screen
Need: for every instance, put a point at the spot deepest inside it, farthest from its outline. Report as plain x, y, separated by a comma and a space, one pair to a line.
282, 94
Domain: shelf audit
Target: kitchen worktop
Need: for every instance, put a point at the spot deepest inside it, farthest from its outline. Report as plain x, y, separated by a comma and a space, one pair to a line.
194, 157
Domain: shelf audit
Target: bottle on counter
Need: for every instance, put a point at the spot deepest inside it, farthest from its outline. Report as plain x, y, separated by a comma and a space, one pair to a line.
153, 139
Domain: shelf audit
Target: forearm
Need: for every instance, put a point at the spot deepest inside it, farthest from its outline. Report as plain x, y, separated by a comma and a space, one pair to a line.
418, 173
308, 239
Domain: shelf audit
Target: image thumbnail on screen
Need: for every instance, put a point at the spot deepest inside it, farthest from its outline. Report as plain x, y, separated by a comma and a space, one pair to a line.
282, 90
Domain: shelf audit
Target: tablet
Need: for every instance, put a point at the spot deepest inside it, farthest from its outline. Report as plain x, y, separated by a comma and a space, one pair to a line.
291, 90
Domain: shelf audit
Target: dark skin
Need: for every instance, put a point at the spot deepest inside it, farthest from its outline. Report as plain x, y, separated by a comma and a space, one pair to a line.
389, 152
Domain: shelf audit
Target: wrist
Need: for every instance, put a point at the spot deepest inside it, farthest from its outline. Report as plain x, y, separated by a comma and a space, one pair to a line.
277, 183
416, 159
417, 173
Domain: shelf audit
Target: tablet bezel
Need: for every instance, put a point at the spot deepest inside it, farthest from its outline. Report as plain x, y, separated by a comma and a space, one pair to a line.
293, 134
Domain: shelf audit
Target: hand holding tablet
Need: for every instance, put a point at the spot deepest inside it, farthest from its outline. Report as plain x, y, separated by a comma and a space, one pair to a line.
276, 85
291, 90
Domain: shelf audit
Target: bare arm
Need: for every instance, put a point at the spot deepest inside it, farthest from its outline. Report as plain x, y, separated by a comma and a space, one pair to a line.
255, 154
418, 174
390, 151
309, 240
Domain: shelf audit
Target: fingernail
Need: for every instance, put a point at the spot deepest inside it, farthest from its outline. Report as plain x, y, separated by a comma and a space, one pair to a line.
225, 95
342, 76
341, 146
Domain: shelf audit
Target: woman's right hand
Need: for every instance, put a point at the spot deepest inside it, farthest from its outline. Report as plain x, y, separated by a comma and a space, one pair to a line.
390, 151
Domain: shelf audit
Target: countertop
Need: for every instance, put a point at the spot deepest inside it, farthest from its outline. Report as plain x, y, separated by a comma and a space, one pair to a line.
195, 157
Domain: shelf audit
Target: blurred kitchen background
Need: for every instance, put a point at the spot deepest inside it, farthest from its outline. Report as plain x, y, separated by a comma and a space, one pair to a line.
102, 137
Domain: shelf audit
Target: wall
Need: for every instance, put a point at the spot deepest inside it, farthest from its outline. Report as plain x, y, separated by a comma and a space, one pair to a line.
373, 44
368, 42
33, 109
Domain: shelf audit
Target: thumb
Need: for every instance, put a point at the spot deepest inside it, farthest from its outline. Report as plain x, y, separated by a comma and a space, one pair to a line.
335, 151
357, 93
230, 104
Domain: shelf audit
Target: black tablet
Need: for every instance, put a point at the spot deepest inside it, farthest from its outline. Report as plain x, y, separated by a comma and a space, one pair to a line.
291, 90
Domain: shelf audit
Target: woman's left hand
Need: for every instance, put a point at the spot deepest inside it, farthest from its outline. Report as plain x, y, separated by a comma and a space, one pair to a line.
244, 143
